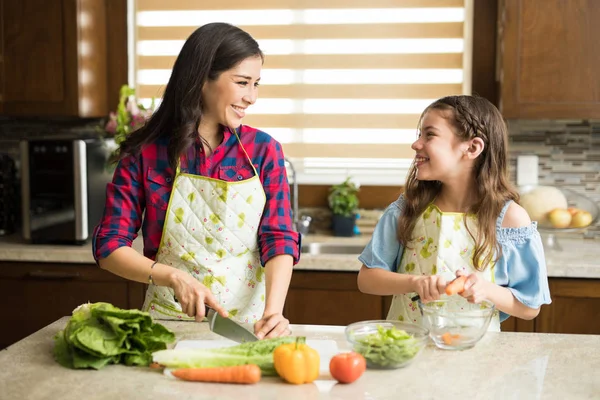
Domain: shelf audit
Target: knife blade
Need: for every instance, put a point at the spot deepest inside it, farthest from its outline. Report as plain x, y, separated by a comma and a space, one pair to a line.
228, 328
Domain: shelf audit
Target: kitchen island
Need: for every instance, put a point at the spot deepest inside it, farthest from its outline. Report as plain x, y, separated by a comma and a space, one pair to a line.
503, 365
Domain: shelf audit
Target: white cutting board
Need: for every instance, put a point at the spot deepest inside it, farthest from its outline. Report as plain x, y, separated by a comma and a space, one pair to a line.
326, 349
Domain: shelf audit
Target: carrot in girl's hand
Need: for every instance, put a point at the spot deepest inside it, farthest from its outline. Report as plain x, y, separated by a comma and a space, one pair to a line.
248, 373
448, 338
456, 286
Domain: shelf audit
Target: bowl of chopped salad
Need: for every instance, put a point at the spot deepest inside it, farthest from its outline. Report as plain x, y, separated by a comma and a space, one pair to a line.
387, 344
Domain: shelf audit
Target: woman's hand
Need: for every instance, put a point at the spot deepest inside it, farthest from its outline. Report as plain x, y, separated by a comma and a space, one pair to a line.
476, 288
193, 296
429, 288
271, 326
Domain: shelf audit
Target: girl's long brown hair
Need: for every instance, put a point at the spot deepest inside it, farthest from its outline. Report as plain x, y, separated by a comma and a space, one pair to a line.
471, 117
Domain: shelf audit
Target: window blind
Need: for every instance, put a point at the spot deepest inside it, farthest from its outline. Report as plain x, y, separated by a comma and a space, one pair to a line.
344, 81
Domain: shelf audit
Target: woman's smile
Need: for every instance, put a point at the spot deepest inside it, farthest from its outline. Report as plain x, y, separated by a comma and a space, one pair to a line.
239, 111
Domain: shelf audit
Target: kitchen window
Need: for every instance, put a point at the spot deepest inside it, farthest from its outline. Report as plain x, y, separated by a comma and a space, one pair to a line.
344, 81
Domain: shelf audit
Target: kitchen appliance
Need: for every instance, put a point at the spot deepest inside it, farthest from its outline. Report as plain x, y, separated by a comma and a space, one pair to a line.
228, 328
63, 185
9, 198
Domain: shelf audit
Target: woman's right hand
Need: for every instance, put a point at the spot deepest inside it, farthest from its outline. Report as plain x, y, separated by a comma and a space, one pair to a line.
429, 288
193, 296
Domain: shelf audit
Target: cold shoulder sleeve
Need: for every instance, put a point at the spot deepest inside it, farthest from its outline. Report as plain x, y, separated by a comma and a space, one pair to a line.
383, 250
522, 266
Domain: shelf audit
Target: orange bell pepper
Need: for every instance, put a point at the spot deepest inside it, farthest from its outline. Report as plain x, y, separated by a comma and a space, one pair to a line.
296, 363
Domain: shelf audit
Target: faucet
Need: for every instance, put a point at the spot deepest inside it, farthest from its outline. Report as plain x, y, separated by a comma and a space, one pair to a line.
288, 163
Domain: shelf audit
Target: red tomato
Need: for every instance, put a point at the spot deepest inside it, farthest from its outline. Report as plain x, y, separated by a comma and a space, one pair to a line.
347, 367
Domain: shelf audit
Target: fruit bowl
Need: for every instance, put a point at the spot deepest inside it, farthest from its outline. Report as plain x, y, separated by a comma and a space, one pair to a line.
558, 210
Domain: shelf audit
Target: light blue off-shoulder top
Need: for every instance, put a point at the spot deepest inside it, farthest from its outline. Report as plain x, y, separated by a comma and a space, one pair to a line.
521, 268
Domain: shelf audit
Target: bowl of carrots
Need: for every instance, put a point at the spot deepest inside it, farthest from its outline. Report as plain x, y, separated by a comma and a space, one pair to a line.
456, 324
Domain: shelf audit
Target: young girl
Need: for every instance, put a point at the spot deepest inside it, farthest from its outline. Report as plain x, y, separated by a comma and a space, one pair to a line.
458, 216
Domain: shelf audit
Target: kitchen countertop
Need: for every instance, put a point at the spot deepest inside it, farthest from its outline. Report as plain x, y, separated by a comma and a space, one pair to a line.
502, 365
580, 258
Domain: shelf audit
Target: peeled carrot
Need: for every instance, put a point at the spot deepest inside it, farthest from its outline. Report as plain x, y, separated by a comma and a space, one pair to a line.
448, 338
456, 286
248, 373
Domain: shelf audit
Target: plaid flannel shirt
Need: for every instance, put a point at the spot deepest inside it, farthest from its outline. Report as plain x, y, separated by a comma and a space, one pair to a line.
143, 184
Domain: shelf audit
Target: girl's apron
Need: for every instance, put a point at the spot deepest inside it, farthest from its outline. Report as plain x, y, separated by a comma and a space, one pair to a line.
211, 232
440, 245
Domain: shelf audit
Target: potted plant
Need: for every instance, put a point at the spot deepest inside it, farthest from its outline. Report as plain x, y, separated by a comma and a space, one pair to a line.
343, 202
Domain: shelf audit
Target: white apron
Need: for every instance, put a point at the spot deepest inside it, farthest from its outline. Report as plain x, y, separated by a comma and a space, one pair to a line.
440, 245
211, 232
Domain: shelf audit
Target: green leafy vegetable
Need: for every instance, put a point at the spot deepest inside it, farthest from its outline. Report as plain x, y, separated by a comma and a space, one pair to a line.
388, 347
259, 353
99, 334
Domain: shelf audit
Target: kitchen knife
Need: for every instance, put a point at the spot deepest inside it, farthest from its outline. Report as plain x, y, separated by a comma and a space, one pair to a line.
228, 328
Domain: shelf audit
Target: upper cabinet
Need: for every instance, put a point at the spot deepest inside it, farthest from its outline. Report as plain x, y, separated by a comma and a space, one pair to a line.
549, 59
54, 58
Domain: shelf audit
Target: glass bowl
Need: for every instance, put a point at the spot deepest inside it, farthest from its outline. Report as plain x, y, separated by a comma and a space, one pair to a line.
456, 325
387, 344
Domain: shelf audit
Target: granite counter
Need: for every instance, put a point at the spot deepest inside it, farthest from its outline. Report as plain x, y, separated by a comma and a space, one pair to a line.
502, 366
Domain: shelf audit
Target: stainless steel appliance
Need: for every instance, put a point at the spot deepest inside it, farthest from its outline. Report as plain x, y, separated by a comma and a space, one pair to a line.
63, 184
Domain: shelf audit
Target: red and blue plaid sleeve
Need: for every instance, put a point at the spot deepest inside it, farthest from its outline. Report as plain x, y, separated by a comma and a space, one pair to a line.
123, 209
276, 233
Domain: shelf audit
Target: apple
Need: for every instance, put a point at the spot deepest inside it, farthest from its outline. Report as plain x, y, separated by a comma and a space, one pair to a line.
573, 210
581, 219
559, 218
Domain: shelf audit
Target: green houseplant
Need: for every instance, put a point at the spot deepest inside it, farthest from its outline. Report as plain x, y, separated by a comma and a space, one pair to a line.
343, 203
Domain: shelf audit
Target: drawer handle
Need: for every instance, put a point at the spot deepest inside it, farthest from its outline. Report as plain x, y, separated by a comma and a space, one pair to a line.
53, 275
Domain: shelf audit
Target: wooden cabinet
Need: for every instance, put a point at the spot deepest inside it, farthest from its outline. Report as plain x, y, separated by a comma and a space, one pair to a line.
548, 57
54, 60
330, 298
575, 307
37, 294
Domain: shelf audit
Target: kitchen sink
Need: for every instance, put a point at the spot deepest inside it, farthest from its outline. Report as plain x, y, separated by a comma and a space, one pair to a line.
316, 249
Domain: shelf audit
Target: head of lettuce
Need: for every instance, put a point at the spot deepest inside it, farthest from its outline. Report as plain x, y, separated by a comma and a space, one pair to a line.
99, 334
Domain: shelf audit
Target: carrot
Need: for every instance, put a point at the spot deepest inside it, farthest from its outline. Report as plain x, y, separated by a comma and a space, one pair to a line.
456, 286
155, 365
249, 373
448, 338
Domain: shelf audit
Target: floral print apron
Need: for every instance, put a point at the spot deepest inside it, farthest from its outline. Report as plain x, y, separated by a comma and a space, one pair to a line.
211, 232
441, 245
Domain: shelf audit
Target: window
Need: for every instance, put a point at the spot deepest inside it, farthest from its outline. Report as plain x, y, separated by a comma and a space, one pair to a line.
344, 81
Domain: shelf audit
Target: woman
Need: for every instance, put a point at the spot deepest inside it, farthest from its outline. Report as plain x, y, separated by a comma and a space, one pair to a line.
217, 221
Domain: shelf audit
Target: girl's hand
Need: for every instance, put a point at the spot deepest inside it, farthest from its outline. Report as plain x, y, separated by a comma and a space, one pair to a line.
271, 326
429, 288
194, 296
476, 288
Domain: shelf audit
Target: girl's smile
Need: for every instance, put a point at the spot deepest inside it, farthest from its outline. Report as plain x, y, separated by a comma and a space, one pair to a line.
420, 160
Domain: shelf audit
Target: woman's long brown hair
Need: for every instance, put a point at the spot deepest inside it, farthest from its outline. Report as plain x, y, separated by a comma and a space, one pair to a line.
210, 50
471, 117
